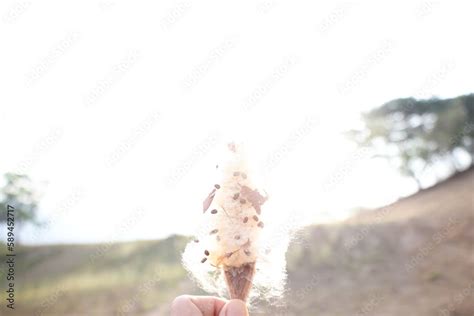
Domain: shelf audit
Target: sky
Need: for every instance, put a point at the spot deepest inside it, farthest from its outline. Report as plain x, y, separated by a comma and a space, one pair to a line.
118, 111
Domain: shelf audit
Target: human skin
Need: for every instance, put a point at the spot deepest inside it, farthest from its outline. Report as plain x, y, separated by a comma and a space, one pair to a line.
187, 305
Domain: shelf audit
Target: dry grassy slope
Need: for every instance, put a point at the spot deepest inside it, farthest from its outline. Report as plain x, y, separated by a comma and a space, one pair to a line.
133, 277
414, 257
359, 267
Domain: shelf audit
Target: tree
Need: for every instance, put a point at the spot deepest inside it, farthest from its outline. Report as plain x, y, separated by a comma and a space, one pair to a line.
416, 134
19, 192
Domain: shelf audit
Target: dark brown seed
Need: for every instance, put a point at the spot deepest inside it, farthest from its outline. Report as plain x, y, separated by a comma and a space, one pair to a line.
214, 211
247, 252
246, 219
237, 237
255, 218
236, 173
203, 260
196, 240
260, 224
206, 252
242, 201
236, 196
217, 186
244, 176
213, 231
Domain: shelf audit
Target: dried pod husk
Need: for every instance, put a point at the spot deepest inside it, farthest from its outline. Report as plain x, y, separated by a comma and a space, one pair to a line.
239, 280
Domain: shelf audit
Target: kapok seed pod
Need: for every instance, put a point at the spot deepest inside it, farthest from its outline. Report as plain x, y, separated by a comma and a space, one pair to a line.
230, 240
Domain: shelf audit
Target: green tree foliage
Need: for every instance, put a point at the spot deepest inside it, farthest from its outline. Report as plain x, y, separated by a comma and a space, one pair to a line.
18, 192
413, 134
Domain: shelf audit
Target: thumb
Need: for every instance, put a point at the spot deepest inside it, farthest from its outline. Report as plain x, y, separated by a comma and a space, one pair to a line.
234, 308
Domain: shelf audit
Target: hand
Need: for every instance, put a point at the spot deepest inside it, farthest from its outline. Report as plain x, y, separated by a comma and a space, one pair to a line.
187, 305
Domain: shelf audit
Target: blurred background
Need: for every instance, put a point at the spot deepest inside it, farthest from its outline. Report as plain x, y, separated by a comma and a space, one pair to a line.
358, 115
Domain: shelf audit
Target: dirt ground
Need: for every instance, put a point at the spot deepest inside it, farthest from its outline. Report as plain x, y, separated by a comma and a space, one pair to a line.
414, 257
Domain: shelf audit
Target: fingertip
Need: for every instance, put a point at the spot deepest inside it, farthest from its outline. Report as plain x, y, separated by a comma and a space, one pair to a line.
182, 305
234, 308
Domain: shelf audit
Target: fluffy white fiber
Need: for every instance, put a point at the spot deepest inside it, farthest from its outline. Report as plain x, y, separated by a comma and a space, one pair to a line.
237, 229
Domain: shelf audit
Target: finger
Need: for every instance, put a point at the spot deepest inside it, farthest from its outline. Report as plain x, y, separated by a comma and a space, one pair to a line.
186, 305
209, 305
234, 308
182, 305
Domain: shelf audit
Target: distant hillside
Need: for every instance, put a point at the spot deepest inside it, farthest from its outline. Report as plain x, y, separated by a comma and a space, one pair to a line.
414, 257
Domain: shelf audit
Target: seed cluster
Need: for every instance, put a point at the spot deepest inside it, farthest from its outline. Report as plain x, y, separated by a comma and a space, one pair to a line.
244, 196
